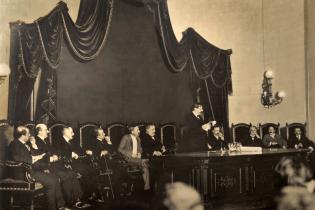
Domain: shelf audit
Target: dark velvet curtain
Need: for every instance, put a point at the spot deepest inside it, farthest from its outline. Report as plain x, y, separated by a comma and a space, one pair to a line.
38, 45
211, 83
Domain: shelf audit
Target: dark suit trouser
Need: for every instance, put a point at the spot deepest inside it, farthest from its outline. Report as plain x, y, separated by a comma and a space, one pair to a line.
52, 187
70, 185
90, 180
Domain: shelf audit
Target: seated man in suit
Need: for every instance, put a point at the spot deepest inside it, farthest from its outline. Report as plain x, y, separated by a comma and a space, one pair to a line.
252, 139
195, 135
300, 141
150, 145
69, 182
130, 148
216, 139
19, 150
273, 140
101, 145
76, 157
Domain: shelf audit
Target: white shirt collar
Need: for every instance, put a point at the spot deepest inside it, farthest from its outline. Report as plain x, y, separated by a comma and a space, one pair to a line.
66, 138
22, 141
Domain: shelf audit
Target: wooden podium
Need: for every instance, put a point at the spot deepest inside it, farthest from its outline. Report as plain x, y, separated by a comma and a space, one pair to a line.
224, 178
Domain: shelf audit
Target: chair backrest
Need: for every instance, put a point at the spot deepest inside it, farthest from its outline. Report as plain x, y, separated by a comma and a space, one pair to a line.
86, 132
55, 132
263, 128
116, 131
32, 127
290, 128
239, 131
14, 170
168, 135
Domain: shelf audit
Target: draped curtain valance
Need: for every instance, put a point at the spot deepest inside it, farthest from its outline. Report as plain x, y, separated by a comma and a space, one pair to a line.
207, 60
37, 46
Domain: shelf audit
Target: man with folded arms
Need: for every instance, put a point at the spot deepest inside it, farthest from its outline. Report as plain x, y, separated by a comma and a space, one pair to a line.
19, 150
300, 141
69, 181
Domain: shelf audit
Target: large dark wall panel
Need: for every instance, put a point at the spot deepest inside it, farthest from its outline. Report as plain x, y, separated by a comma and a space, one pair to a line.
128, 81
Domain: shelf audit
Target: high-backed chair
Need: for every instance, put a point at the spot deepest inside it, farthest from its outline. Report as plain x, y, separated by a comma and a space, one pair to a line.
31, 126
15, 180
290, 128
239, 130
168, 132
55, 132
263, 128
86, 132
116, 131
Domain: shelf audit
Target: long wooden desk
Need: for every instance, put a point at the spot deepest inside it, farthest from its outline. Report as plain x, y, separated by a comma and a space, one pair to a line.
227, 177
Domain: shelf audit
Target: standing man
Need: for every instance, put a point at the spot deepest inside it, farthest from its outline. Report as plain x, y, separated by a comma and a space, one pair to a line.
19, 150
195, 135
273, 140
130, 148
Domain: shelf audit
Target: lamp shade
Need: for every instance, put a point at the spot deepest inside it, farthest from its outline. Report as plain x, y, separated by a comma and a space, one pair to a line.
269, 74
281, 94
4, 69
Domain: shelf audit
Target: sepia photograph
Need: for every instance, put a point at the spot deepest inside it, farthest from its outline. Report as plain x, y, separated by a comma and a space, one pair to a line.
157, 104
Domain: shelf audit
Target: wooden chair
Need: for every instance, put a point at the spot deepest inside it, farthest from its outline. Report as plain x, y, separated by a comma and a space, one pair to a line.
116, 131
55, 132
15, 180
86, 132
168, 136
239, 130
290, 128
263, 128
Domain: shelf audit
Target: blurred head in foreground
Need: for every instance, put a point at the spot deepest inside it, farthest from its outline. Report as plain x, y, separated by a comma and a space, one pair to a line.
296, 198
180, 196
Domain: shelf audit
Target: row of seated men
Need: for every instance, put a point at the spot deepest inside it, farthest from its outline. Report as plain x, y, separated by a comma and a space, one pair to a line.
202, 135
57, 166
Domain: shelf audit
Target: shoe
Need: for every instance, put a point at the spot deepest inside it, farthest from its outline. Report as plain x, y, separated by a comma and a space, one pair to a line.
64, 208
81, 205
95, 199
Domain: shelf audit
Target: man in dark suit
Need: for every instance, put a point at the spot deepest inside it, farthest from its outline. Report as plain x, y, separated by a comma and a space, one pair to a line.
273, 140
216, 139
300, 141
252, 139
195, 135
150, 144
101, 146
77, 159
69, 181
19, 150
130, 148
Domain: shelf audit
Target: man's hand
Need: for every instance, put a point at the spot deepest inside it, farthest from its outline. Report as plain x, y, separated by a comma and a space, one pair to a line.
163, 149
206, 126
209, 146
104, 152
139, 155
157, 153
53, 158
107, 138
37, 157
33, 142
134, 155
74, 155
88, 152
311, 149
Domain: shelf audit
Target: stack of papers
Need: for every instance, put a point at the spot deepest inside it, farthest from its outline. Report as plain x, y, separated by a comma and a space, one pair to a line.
251, 149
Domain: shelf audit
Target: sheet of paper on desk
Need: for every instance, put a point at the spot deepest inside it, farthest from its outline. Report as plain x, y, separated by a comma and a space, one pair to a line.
251, 149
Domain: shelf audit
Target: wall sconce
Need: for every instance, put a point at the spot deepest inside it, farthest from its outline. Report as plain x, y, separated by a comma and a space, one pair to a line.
4, 72
267, 98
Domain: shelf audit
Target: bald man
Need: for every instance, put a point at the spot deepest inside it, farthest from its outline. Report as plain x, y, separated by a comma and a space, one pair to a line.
20, 151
